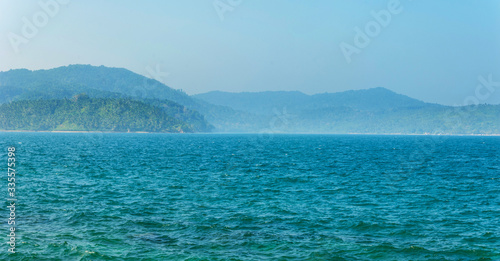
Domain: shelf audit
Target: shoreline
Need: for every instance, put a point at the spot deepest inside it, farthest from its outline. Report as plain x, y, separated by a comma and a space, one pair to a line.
250, 133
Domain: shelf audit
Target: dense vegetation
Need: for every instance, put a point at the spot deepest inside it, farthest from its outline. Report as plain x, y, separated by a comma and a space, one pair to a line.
75, 79
105, 82
95, 114
376, 110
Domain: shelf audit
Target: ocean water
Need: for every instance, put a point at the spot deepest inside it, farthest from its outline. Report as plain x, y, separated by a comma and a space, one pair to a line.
253, 197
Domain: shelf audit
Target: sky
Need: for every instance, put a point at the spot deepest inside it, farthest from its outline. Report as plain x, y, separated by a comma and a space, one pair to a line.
445, 52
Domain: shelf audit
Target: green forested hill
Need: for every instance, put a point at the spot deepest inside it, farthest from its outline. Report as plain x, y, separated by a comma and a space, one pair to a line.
105, 82
74, 79
98, 114
376, 110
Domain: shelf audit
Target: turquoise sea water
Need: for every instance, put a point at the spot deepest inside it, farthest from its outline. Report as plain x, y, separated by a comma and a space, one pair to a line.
253, 197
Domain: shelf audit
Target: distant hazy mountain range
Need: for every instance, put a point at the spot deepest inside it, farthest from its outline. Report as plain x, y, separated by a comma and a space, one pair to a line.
375, 99
119, 92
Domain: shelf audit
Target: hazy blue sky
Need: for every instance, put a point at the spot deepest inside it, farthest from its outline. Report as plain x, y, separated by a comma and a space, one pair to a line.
431, 50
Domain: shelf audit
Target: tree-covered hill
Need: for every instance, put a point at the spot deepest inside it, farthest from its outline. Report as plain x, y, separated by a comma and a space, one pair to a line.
376, 110
105, 82
116, 80
99, 114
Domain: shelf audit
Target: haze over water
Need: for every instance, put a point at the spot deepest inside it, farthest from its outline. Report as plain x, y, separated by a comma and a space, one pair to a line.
256, 197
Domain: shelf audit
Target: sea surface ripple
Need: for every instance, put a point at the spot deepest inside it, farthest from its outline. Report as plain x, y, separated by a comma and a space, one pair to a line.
95, 196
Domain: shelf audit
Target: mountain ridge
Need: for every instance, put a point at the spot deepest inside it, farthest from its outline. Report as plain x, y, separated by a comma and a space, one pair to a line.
104, 82
262, 102
374, 110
